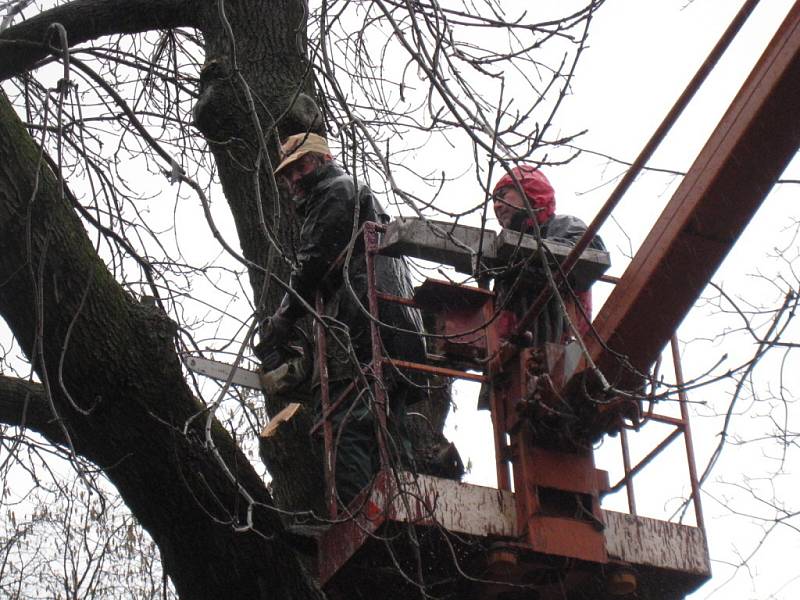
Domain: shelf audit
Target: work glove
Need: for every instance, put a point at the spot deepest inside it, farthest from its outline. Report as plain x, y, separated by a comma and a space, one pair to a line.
271, 349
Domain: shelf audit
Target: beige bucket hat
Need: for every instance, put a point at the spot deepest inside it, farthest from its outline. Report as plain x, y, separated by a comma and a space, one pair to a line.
299, 145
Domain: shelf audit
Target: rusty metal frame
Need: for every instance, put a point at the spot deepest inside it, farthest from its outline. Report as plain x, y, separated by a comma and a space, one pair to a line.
687, 434
371, 239
713, 204
755, 140
371, 232
329, 463
542, 533
682, 427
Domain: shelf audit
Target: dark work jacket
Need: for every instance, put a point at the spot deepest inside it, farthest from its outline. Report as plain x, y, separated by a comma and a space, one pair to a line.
328, 210
530, 279
520, 284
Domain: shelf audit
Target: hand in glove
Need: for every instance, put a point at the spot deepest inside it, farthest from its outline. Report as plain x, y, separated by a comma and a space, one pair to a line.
270, 350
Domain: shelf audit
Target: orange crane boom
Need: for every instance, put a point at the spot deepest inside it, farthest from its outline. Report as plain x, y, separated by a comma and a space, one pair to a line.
740, 163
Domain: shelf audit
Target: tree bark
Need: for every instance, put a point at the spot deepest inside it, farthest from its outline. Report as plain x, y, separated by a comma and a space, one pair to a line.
24, 404
250, 81
23, 45
279, 448
117, 361
267, 54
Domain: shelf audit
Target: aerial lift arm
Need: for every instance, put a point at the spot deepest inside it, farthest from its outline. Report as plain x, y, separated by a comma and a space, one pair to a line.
740, 163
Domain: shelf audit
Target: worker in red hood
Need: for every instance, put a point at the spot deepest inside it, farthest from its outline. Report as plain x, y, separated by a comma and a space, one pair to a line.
519, 285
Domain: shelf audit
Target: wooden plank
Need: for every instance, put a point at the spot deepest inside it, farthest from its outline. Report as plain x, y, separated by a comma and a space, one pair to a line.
589, 268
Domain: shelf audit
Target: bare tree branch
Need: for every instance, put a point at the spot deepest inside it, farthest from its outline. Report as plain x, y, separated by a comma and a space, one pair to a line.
22, 404
21, 46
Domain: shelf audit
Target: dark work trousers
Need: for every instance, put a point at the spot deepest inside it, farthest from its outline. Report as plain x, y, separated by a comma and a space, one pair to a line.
355, 436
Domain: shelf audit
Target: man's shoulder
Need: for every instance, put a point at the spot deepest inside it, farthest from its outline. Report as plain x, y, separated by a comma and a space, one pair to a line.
559, 226
570, 229
339, 185
565, 221
336, 181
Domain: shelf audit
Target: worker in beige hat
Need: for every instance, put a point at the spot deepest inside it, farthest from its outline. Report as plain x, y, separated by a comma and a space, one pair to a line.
301, 155
327, 199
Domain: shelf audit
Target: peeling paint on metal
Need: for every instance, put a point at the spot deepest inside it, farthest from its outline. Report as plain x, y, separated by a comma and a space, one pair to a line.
644, 541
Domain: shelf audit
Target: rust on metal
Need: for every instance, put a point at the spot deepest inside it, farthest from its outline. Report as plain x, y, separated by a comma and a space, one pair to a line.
564, 470
420, 499
666, 419
464, 509
458, 318
333, 407
687, 433
672, 436
342, 540
396, 299
329, 466
569, 538
381, 404
751, 146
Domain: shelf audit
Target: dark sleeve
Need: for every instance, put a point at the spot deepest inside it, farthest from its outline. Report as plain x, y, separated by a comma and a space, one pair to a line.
324, 235
566, 229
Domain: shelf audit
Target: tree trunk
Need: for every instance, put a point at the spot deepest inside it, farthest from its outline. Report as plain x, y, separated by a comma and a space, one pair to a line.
99, 351
269, 58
